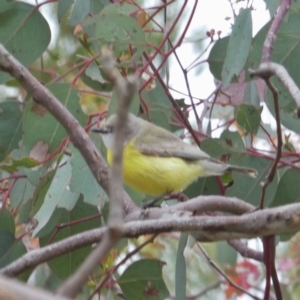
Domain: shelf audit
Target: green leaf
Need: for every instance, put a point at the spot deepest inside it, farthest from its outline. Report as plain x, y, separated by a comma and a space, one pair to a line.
79, 11
94, 73
42, 132
122, 32
97, 5
10, 248
14, 164
251, 95
22, 190
143, 280
63, 7
238, 47
84, 182
67, 264
19, 23
10, 127
159, 107
229, 144
226, 255
45, 127
248, 188
6, 5
272, 6
7, 221
180, 273
203, 186
216, 57
40, 192
248, 117
288, 189
57, 195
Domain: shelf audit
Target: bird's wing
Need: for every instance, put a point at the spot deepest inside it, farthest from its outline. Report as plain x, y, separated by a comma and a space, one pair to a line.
166, 144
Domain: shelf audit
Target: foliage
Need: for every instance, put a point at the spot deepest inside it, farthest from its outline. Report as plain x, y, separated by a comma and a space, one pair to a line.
48, 191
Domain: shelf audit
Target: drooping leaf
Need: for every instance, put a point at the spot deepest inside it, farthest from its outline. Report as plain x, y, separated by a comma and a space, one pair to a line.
7, 221
288, 189
10, 127
17, 23
63, 7
14, 164
10, 248
67, 264
180, 273
248, 117
122, 32
57, 195
79, 10
238, 46
84, 182
136, 283
48, 133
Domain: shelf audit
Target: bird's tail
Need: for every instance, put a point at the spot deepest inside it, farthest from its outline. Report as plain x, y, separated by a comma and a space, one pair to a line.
242, 170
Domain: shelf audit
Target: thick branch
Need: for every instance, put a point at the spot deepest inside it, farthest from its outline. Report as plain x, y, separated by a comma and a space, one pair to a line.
14, 290
259, 223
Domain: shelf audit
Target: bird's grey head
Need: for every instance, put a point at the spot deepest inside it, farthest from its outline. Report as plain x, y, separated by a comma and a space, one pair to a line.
130, 129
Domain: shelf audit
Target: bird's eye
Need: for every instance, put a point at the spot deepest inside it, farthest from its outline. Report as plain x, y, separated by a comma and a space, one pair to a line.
109, 129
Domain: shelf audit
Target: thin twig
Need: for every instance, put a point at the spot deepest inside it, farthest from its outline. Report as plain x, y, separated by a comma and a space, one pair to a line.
266, 70
223, 274
125, 91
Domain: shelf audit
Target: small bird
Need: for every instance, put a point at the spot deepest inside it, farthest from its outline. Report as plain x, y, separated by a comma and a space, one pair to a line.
155, 161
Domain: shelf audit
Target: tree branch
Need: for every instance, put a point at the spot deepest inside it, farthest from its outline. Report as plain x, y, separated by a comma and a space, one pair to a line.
125, 91
266, 70
265, 222
14, 290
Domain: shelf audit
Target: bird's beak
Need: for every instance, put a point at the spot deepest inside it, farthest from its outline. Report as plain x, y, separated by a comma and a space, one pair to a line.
103, 130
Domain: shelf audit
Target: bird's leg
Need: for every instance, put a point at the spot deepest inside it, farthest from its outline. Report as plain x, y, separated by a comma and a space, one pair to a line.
153, 201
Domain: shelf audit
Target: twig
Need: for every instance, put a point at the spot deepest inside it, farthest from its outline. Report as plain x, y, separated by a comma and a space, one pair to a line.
125, 91
204, 291
223, 274
245, 251
273, 169
266, 70
115, 268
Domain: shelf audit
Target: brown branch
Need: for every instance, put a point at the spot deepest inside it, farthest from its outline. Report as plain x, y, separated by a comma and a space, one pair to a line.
271, 35
241, 248
15, 290
195, 206
77, 134
266, 70
125, 91
265, 222
273, 169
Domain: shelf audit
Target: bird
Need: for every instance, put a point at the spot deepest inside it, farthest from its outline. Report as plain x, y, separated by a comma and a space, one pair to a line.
155, 161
